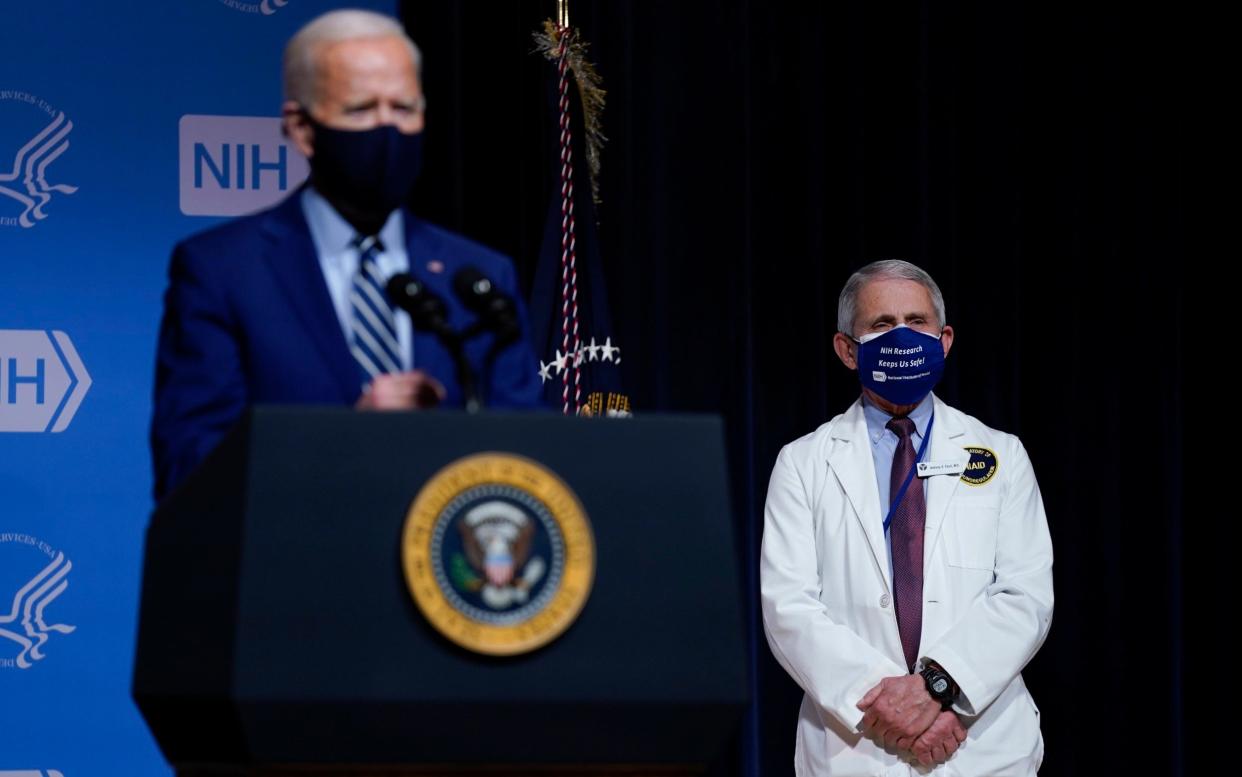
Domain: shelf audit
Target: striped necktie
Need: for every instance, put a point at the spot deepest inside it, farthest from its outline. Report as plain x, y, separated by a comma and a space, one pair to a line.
375, 346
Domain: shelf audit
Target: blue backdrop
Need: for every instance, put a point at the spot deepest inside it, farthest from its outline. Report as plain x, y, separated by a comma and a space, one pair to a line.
125, 125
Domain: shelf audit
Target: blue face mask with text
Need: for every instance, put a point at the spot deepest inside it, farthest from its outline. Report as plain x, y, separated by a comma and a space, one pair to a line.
901, 365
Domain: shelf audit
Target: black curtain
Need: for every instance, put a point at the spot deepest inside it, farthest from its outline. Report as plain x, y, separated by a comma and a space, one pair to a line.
1026, 154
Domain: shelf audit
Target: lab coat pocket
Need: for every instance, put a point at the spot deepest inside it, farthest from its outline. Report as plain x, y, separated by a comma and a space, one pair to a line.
972, 535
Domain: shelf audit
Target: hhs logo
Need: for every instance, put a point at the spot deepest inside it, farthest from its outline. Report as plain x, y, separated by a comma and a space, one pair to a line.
39, 575
42, 381
35, 139
234, 165
265, 7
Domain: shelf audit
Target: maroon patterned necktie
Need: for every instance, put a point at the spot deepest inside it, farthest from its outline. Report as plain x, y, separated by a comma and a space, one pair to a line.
906, 541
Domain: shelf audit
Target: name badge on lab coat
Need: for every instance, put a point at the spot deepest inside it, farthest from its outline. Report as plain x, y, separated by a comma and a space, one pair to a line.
927, 469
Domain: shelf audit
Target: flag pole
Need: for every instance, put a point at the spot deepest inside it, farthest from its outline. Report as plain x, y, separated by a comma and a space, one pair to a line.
569, 277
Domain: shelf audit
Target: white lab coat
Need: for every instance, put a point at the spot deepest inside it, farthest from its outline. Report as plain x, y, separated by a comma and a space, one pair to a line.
828, 603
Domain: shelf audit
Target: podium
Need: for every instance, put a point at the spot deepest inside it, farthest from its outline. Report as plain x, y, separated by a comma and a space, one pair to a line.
278, 633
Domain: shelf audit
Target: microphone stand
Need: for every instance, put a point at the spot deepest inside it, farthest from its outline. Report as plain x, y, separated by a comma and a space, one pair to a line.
428, 313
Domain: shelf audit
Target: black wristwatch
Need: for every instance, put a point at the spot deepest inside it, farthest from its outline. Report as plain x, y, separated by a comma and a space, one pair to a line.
940, 685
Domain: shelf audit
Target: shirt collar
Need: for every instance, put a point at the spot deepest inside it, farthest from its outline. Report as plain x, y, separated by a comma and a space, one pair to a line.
877, 419
333, 235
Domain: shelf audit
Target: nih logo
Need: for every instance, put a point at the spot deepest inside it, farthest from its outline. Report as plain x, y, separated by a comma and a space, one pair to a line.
42, 381
234, 165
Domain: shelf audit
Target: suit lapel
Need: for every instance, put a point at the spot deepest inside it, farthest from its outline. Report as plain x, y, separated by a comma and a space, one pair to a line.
854, 466
426, 248
291, 255
421, 248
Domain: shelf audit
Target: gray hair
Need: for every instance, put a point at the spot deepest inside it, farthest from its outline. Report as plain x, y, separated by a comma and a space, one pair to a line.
885, 269
301, 53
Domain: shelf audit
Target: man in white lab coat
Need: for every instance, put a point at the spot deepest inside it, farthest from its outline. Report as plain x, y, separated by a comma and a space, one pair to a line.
906, 567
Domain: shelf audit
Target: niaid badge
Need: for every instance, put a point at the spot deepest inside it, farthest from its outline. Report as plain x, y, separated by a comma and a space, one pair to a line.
982, 466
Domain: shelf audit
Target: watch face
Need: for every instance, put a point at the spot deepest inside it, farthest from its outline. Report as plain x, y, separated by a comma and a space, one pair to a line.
940, 685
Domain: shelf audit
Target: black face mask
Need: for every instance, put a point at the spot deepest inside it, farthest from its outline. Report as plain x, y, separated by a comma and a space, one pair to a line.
368, 171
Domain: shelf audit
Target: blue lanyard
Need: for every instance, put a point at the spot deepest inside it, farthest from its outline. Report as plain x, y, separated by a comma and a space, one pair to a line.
892, 505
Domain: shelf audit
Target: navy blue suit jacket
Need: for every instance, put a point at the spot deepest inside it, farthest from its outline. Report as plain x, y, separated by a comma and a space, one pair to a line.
248, 319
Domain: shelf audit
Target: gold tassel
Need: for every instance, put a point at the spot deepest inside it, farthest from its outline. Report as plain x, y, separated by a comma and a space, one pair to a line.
590, 91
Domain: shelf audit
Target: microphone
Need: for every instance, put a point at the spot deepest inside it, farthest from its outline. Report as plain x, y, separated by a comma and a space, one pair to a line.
496, 310
429, 313
426, 308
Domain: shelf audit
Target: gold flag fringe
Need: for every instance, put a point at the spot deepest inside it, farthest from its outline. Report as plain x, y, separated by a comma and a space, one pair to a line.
590, 91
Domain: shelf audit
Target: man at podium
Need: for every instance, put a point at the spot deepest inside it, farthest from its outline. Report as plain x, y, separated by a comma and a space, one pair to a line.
288, 305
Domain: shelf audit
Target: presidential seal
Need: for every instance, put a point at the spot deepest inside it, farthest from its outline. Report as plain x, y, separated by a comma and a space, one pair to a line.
981, 468
498, 554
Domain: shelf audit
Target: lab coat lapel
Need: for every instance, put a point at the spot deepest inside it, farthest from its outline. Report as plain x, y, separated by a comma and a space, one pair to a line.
946, 445
851, 462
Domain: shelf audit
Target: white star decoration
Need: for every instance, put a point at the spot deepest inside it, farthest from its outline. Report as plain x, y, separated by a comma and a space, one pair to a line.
608, 350
583, 353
